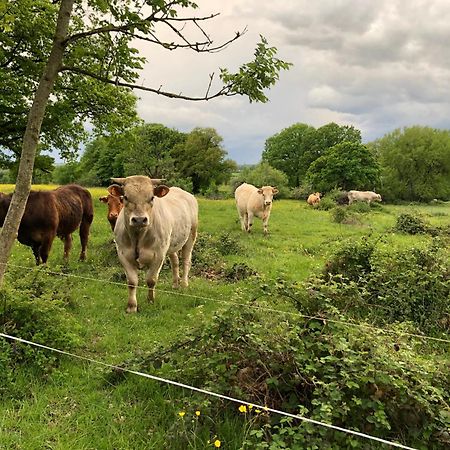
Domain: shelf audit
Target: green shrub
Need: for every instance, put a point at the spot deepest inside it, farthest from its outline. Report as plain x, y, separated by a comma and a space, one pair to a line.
339, 214
326, 203
360, 207
310, 367
410, 224
34, 308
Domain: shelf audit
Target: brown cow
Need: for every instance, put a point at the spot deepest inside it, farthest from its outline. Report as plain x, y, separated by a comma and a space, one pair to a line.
114, 202
53, 213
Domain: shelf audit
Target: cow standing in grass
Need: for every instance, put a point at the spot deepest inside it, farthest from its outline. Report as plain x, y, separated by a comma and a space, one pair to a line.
155, 221
252, 201
363, 196
53, 213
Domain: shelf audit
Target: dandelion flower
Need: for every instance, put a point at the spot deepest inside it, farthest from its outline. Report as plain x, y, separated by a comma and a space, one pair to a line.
250, 406
197, 413
217, 443
257, 411
243, 409
181, 413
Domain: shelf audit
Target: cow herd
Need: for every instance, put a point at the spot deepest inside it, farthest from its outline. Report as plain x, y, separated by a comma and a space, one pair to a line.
150, 221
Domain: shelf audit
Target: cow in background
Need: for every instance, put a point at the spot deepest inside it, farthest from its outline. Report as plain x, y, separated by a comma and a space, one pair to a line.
53, 213
155, 221
252, 201
314, 199
363, 196
114, 202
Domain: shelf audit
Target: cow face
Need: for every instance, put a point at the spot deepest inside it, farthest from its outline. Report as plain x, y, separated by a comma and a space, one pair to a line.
114, 203
268, 192
138, 193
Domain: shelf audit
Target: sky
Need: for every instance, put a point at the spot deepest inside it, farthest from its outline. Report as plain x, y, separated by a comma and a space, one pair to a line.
375, 65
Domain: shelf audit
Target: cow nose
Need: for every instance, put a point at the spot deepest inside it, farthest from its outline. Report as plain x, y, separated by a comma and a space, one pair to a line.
267, 203
139, 220
113, 215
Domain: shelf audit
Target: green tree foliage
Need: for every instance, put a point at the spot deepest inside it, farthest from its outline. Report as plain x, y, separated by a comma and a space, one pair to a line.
201, 158
24, 45
150, 149
263, 174
415, 164
345, 166
296, 147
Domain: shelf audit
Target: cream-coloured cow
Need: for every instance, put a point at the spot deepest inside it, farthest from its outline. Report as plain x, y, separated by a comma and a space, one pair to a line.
252, 201
363, 196
314, 199
155, 221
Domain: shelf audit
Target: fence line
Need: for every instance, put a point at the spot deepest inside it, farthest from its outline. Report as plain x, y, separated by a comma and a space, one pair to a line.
210, 393
256, 307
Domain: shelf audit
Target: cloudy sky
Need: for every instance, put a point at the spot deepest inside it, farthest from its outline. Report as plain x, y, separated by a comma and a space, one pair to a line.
374, 65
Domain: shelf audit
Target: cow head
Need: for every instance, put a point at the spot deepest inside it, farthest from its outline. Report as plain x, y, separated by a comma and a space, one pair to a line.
138, 193
267, 192
114, 202
378, 198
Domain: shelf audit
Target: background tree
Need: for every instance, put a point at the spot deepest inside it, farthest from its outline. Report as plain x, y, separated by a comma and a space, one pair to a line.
415, 164
262, 174
93, 43
296, 147
201, 158
150, 149
346, 166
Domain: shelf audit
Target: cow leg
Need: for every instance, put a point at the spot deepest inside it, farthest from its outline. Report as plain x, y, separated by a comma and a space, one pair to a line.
131, 273
67, 246
249, 221
242, 217
186, 253
175, 265
266, 224
45, 247
84, 236
36, 252
152, 277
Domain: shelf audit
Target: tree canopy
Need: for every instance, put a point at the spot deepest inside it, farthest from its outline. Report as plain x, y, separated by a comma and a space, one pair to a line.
296, 147
348, 165
415, 163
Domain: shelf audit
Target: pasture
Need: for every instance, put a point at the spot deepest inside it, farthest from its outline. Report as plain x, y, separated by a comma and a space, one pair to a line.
76, 405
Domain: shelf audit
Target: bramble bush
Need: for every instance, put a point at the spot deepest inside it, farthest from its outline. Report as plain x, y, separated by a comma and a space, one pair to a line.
351, 377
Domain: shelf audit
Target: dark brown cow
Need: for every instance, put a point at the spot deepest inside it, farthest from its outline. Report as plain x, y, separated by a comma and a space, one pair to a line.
114, 202
53, 213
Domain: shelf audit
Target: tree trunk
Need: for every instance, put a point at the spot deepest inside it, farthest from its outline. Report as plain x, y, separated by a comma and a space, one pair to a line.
31, 137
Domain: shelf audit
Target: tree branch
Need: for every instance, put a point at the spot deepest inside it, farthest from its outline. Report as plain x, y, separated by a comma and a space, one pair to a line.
224, 91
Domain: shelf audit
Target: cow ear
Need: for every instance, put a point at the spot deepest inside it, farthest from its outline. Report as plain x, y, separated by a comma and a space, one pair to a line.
275, 191
260, 191
115, 190
104, 199
161, 190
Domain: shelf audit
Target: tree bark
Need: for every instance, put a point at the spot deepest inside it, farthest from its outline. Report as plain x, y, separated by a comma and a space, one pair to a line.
31, 136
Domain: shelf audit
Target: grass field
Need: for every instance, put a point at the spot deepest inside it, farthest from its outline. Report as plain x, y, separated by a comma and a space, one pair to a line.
76, 407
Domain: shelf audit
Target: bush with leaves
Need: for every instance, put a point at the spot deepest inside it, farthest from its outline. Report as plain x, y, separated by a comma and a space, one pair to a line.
34, 308
411, 224
322, 370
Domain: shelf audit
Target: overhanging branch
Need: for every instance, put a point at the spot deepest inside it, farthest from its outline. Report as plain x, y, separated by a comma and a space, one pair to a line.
224, 91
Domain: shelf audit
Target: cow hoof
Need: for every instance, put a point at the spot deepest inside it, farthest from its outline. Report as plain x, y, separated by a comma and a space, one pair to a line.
132, 309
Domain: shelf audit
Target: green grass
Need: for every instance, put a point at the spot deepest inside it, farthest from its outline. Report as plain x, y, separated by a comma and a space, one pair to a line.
77, 407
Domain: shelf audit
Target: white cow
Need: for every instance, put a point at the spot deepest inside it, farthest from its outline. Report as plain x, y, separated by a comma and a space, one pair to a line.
155, 221
251, 202
363, 196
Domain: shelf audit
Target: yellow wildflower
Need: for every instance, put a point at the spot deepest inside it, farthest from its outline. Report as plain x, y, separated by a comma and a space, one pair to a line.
197, 413
181, 413
217, 443
257, 411
243, 409
250, 406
